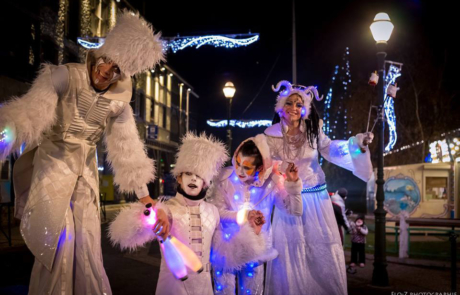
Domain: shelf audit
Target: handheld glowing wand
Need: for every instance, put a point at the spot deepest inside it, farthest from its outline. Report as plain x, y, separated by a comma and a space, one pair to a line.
176, 254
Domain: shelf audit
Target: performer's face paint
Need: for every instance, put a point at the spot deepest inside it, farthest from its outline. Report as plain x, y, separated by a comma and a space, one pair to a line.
292, 110
244, 167
191, 183
104, 73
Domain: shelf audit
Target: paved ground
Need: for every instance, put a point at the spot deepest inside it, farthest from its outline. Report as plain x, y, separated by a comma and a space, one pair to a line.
137, 273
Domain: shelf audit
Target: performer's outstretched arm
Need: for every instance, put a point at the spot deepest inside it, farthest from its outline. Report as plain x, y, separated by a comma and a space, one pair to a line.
352, 155
132, 168
24, 119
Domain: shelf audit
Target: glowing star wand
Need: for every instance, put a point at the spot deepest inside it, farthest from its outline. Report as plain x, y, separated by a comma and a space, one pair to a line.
177, 255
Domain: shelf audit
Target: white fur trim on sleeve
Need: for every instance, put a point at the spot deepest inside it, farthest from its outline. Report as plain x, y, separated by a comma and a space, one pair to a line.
232, 251
128, 229
28, 116
126, 154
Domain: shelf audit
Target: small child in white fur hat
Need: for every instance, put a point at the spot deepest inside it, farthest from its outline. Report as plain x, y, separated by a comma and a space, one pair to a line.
192, 220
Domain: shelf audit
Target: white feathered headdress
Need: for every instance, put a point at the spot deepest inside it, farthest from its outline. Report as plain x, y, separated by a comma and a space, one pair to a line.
306, 93
132, 44
202, 155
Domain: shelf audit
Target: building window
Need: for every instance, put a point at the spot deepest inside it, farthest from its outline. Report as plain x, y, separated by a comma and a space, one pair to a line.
436, 188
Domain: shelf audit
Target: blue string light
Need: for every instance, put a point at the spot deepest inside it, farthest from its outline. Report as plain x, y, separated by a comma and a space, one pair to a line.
90, 45
240, 123
314, 189
180, 43
393, 73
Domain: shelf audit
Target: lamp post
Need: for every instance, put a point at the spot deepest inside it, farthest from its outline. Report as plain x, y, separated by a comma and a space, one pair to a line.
381, 30
229, 92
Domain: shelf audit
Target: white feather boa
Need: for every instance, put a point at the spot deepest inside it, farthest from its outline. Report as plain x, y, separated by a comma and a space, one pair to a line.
29, 116
233, 251
126, 153
128, 229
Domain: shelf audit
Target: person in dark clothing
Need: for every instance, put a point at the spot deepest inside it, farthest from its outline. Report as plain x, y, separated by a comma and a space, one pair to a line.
340, 220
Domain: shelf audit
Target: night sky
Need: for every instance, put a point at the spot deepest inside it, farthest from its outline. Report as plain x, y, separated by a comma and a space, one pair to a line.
324, 29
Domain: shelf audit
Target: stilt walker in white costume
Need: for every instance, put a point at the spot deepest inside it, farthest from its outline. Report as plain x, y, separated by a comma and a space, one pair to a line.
193, 221
60, 119
245, 195
311, 259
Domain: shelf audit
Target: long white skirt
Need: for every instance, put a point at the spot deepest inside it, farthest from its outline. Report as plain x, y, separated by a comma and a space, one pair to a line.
311, 259
77, 267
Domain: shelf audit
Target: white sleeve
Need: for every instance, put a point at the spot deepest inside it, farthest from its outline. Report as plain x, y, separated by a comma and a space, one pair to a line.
288, 197
24, 119
133, 169
218, 199
347, 154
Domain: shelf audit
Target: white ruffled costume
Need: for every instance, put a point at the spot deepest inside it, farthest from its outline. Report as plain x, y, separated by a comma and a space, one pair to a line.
60, 120
238, 253
311, 259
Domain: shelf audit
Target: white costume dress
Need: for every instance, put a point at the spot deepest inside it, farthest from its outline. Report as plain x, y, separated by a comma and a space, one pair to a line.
56, 180
229, 196
311, 259
193, 223
242, 250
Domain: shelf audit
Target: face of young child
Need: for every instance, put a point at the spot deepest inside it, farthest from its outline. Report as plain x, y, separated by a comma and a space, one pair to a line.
191, 183
359, 222
244, 167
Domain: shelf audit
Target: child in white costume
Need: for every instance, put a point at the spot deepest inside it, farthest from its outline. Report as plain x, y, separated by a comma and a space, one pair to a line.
311, 258
251, 189
60, 119
193, 221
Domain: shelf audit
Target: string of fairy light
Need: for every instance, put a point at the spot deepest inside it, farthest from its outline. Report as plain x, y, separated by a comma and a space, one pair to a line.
393, 73
418, 143
341, 80
335, 115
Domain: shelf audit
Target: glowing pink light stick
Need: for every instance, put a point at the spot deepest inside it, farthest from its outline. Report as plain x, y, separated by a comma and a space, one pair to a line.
177, 255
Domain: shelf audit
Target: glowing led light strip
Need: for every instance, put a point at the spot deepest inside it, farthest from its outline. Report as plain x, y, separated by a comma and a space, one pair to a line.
241, 124
217, 41
393, 73
90, 45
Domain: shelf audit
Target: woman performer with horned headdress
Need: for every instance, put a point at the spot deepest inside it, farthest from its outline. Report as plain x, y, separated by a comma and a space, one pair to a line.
311, 259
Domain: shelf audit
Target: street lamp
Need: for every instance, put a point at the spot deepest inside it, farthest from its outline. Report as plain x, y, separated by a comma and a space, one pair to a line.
229, 92
381, 30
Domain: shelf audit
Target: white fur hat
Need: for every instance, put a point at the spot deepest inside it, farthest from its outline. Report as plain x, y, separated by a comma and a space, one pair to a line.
132, 44
306, 93
202, 155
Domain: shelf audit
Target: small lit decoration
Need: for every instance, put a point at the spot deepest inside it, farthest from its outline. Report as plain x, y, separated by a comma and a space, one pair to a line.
374, 79
240, 123
393, 73
439, 150
90, 45
392, 89
227, 41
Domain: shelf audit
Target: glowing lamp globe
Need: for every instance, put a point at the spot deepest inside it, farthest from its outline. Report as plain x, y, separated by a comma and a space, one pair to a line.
382, 28
229, 90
